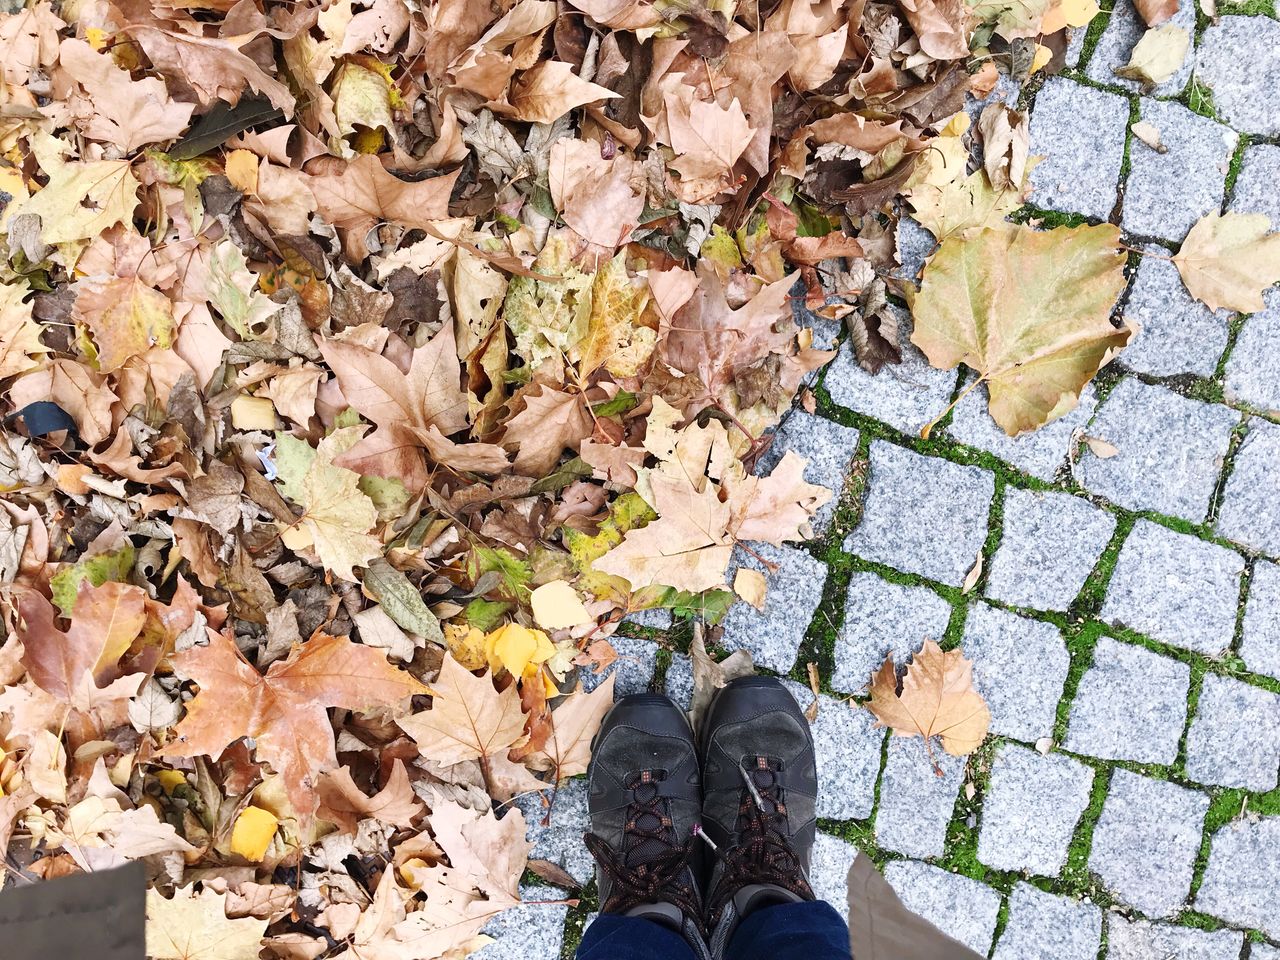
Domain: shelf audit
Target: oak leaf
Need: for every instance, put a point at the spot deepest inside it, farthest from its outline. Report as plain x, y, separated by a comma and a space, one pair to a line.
937, 700
1028, 310
283, 711
195, 926
468, 719
1228, 260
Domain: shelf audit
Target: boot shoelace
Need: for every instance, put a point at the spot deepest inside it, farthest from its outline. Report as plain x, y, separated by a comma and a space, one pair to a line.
763, 854
652, 866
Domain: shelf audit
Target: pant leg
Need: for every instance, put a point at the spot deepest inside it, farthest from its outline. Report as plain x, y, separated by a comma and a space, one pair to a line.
791, 931
615, 937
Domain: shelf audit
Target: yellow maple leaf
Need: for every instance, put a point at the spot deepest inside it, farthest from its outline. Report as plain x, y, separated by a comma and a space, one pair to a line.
125, 316
81, 200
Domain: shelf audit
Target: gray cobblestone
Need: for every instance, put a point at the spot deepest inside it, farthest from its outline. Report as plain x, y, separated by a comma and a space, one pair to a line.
773, 635
958, 906
1250, 512
1130, 705
1081, 132
1264, 951
915, 803
1253, 370
633, 669
1176, 589
1240, 881
1050, 544
1255, 187
848, 746
1176, 333
1143, 940
829, 870
561, 840
656, 618
1028, 788
1040, 453
1234, 740
1238, 57
1260, 643
1124, 29
1146, 841
528, 932
948, 506
1166, 193
1043, 926
1019, 666
905, 395
828, 449
1170, 450
882, 618
915, 245
678, 683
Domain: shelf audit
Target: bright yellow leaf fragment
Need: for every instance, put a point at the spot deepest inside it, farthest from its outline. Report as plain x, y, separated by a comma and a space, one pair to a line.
556, 605
519, 649
252, 833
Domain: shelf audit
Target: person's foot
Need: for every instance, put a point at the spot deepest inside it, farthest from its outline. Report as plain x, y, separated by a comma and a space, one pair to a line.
760, 785
645, 799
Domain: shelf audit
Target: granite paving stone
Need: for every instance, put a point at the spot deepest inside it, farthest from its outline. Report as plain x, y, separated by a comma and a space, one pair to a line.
958, 906
1260, 641
1124, 29
633, 670
1255, 187
829, 870
655, 618
1175, 588
1143, 940
1238, 59
880, 618
533, 931
1240, 881
1234, 740
923, 515
773, 635
1081, 133
1027, 787
828, 450
1166, 193
905, 395
678, 683
1019, 666
1250, 511
560, 841
1176, 334
1043, 926
915, 803
1264, 951
1131, 705
1075, 45
848, 746
1050, 544
1252, 374
915, 244
1170, 450
1146, 841
1040, 453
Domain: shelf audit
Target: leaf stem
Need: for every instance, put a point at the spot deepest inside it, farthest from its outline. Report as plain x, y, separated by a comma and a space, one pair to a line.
928, 427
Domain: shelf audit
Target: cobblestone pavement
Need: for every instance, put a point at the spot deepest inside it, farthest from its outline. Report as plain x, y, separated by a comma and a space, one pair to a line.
1126, 627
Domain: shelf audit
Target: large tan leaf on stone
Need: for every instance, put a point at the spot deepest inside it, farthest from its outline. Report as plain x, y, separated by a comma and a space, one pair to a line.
937, 700
1029, 310
1227, 260
468, 719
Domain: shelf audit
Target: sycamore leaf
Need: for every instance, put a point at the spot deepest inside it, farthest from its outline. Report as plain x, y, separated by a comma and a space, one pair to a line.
937, 700
616, 337
283, 711
550, 421
1029, 310
776, 508
125, 316
345, 804
19, 333
1227, 260
1012, 19
81, 200
574, 723
233, 291
1157, 56
549, 90
707, 139
468, 719
195, 926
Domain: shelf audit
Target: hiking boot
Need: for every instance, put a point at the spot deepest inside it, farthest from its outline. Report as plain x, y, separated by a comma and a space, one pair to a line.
645, 798
760, 785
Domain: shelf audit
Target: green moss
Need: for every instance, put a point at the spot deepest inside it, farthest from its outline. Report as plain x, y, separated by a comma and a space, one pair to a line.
1199, 99
587, 904
1248, 8
1094, 33
1048, 219
1076, 878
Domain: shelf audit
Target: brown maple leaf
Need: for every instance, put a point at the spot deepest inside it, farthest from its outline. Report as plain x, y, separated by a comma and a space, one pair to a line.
574, 723
283, 711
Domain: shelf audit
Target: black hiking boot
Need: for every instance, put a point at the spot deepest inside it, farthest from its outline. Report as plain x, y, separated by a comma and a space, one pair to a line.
645, 798
760, 785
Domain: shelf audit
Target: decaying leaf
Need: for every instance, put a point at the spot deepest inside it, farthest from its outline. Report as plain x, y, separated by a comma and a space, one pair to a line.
937, 699
1157, 56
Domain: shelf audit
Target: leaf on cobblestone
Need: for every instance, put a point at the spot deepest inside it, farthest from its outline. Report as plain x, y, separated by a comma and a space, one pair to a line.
938, 699
1228, 259
1157, 56
1028, 310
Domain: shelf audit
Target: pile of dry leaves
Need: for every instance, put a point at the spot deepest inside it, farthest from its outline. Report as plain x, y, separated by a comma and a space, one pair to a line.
364, 362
